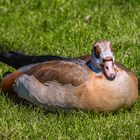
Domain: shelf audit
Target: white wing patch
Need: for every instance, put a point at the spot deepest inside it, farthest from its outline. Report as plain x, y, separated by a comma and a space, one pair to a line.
48, 95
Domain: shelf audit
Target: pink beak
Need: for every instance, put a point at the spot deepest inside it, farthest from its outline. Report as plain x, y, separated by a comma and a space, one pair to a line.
109, 70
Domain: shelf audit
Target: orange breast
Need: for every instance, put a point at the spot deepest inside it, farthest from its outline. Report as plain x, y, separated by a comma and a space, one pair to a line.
8, 82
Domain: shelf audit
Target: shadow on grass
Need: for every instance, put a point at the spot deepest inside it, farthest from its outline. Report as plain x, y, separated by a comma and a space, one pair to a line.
6, 46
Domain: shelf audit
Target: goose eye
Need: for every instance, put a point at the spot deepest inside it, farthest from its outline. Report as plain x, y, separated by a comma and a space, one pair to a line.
96, 53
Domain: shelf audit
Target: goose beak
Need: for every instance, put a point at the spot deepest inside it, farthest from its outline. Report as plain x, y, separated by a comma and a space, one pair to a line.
109, 70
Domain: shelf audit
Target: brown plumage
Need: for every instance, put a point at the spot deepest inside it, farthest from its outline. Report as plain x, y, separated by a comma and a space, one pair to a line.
66, 72
74, 84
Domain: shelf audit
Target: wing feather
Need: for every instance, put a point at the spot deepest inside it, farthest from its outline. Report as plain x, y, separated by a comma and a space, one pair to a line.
65, 72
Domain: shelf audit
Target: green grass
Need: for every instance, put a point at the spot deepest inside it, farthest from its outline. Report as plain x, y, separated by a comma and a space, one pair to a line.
60, 27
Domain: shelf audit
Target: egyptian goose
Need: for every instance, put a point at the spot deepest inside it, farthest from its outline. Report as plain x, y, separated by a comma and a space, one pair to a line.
98, 84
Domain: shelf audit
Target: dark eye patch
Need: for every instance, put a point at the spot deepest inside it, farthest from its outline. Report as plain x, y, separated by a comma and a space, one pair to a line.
96, 52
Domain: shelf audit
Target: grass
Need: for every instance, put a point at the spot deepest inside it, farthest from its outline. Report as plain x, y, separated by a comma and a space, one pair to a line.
69, 28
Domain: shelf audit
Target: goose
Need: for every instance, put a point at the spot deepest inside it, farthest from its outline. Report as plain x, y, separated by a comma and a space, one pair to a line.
93, 82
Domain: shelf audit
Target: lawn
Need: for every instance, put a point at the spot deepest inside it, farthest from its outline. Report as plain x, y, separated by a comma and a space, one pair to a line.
69, 28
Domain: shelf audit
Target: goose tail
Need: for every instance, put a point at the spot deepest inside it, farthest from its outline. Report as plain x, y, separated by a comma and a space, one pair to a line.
11, 58
17, 60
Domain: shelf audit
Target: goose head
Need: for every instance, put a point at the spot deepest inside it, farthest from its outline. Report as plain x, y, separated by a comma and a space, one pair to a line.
103, 58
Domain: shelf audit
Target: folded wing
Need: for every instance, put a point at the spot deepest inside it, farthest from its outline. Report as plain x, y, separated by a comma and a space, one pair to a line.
65, 72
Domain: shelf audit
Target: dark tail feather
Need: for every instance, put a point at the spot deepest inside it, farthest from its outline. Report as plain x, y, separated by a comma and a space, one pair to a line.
10, 58
17, 60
